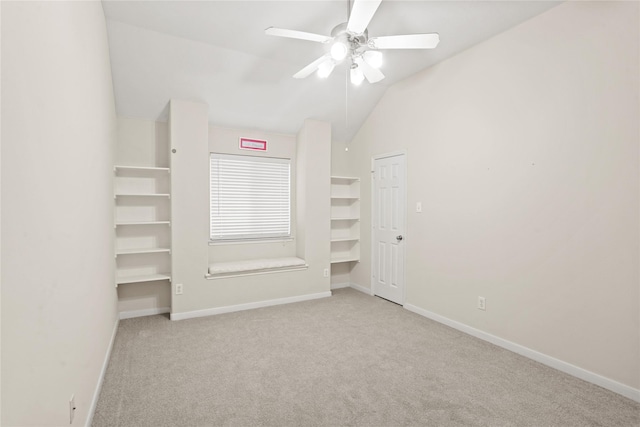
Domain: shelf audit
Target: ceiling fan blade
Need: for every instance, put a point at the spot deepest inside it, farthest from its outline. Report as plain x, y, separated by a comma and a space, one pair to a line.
361, 14
306, 71
412, 41
293, 34
373, 75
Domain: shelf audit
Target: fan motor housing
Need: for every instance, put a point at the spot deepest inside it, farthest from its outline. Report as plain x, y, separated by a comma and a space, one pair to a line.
353, 39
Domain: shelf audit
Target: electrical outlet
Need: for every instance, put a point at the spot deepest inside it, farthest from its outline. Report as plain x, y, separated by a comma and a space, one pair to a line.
72, 408
179, 289
481, 303
325, 273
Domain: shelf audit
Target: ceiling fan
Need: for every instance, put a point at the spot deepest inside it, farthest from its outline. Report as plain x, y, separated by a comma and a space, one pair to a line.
350, 41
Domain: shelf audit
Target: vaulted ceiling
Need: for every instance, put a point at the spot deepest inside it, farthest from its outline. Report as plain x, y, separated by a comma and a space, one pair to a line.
216, 52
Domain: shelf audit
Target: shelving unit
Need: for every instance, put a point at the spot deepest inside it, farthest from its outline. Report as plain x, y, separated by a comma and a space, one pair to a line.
345, 219
142, 211
142, 251
140, 168
118, 224
142, 195
345, 239
142, 278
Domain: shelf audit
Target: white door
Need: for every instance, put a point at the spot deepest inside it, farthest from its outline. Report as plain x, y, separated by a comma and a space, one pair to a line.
388, 221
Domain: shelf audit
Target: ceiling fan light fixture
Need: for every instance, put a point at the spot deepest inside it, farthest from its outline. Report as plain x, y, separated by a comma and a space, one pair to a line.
350, 41
373, 58
356, 76
325, 69
339, 50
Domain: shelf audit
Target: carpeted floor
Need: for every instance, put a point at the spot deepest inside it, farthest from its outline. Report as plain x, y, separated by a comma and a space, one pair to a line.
351, 359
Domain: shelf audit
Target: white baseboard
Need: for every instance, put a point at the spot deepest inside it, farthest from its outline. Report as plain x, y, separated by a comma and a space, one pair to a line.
340, 285
105, 363
141, 313
247, 306
361, 288
351, 285
583, 374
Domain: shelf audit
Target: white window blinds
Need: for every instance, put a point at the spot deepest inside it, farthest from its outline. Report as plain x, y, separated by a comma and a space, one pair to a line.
250, 197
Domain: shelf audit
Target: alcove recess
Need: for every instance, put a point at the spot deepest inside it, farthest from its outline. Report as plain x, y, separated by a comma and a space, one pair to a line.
345, 225
142, 215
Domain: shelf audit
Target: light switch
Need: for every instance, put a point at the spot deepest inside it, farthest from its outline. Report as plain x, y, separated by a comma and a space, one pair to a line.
419, 207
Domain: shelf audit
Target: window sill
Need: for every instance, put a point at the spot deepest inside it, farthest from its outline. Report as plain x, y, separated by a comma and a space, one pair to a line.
250, 241
253, 267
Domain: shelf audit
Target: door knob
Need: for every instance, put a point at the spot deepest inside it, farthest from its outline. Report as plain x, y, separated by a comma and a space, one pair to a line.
398, 238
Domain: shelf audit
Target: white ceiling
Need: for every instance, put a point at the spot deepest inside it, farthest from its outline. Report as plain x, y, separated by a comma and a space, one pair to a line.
217, 52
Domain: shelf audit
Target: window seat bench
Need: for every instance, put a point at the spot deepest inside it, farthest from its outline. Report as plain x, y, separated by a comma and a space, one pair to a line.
254, 266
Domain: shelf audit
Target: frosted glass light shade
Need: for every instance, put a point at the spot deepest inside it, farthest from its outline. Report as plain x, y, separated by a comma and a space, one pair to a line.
356, 76
339, 51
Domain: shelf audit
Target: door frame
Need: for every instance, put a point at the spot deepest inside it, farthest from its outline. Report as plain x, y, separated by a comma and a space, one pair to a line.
402, 152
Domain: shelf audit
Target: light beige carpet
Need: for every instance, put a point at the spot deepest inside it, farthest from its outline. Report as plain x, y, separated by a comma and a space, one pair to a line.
351, 359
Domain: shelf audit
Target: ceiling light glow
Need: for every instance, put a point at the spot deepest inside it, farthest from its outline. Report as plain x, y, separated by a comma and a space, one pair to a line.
356, 76
339, 50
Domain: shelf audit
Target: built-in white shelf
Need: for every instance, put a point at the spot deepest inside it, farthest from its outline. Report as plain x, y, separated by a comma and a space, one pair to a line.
143, 278
143, 195
344, 178
142, 251
143, 223
345, 217
338, 260
119, 168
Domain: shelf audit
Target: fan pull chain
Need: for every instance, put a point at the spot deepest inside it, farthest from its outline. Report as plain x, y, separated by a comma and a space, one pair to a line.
346, 100
346, 106
346, 88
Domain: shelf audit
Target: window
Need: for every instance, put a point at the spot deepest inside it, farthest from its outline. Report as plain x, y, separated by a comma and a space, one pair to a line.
250, 197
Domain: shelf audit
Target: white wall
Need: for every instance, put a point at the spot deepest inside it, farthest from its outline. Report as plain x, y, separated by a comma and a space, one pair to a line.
339, 159
188, 136
142, 142
58, 133
0, 222
314, 201
524, 153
